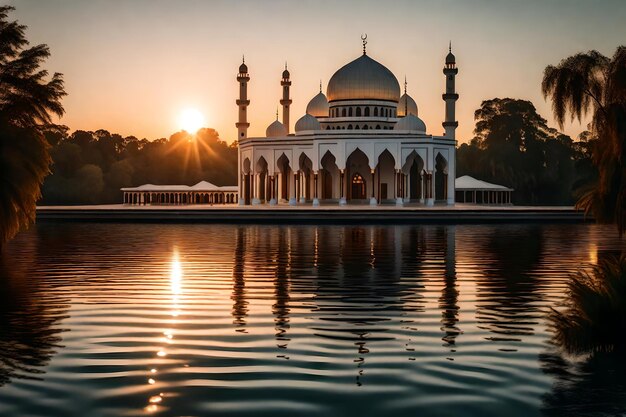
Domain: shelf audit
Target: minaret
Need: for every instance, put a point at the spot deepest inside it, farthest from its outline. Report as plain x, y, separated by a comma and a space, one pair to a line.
450, 97
243, 77
286, 101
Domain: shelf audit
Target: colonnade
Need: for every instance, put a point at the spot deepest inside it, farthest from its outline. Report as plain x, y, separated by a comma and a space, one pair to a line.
484, 196
302, 187
179, 198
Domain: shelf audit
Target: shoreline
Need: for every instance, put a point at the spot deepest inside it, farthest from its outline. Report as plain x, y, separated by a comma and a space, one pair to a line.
305, 214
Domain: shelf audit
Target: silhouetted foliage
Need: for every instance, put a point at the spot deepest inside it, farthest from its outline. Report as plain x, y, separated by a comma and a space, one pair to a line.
27, 100
594, 318
515, 147
91, 167
592, 83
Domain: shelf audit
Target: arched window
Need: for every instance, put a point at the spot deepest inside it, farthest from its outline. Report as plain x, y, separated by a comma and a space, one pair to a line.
365, 127
343, 112
386, 112
350, 112
349, 126
367, 112
358, 112
375, 111
327, 127
356, 127
378, 127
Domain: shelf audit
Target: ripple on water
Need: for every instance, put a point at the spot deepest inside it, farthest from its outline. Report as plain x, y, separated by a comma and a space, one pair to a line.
123, 319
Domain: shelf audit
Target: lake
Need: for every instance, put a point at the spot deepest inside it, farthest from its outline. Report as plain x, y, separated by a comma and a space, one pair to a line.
228, 320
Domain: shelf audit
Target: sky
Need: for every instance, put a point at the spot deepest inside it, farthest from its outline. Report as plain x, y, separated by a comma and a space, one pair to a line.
132, 66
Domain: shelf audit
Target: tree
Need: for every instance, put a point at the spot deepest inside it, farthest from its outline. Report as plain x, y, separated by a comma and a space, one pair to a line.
592, 83
28, 98
515, 147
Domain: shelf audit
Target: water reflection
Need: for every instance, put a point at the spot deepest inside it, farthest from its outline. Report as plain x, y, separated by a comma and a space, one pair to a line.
297, 320
30, 319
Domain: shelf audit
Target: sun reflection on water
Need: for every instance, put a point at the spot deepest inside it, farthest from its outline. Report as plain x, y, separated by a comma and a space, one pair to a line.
176, 279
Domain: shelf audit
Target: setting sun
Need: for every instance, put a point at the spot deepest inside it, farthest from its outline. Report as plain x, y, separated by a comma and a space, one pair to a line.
191, 120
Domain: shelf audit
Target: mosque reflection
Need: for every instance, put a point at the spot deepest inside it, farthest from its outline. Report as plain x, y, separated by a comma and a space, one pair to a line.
358, 279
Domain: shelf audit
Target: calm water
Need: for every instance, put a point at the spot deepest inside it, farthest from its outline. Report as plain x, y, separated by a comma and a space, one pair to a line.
194, 320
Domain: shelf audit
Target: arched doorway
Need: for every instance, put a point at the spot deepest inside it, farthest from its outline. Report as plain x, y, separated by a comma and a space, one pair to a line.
414, 168
246, 182
261, 170
441, 178
285, 177
329, 177
357, 163
358, 187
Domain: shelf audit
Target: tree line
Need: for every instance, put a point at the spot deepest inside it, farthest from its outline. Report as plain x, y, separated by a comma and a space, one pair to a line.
91, 167
514, 146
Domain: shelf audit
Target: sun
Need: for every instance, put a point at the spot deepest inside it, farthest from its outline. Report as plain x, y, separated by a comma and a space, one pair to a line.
191, 120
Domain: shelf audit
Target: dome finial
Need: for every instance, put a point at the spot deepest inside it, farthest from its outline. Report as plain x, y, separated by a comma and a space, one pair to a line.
276, 113
285, 64
405, 84
320, 86
243, 59
450, 47
364, 39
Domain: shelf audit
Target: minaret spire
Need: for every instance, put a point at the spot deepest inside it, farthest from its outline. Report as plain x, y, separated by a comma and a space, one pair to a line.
242, 78
406, 99
450, 96
285, 82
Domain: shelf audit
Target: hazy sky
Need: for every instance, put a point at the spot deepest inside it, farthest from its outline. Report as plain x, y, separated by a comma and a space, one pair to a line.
131, 66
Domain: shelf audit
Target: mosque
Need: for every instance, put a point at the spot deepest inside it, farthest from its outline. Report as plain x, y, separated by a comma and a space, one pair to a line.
361, 142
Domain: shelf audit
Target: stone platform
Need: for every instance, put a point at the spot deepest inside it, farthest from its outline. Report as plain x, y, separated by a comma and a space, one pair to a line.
305, 214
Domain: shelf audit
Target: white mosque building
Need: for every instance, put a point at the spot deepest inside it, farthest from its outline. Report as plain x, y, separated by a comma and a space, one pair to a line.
362, 142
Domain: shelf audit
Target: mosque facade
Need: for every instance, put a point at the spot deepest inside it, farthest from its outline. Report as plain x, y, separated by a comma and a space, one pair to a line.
360, 143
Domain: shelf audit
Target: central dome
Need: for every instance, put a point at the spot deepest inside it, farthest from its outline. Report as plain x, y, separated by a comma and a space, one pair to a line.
363, 79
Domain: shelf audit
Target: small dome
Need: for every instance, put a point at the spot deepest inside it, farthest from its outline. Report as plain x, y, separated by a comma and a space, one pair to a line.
307, 122
406, 102
285, 73
276, 129
410, 122
243, 69
318, 106
363, 79
450, 59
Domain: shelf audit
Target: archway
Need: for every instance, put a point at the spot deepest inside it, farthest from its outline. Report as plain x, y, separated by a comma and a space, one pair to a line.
329, 177
358, 162
261, 185
285, 176
304, 180
357, 190
414, 167
385, 174
441, 178
246, 181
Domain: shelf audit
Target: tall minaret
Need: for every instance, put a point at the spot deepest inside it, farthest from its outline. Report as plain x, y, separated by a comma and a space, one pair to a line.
286, 101
243, 77
450, 97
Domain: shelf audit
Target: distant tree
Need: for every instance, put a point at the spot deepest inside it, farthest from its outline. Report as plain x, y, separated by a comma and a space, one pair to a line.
28, 97
592, 83
515, 147
127, 161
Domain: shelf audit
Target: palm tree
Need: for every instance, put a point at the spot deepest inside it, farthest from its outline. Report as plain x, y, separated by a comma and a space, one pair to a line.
594, 317
592, 83
28, 99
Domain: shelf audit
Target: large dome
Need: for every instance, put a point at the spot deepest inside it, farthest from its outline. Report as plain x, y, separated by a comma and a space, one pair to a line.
363, 79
